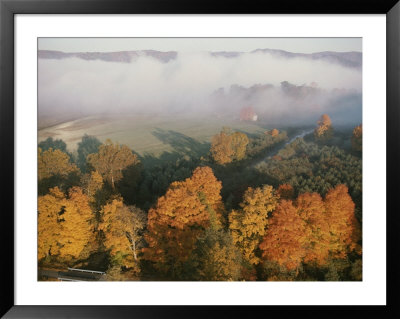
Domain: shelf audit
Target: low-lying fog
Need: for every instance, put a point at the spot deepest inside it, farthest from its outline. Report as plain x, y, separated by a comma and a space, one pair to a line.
280, 90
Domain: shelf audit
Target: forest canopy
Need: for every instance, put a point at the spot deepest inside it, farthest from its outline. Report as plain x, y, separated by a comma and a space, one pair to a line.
254, 207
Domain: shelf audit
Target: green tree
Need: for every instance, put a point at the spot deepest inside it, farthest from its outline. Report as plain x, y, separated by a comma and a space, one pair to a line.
88, 145
57, 144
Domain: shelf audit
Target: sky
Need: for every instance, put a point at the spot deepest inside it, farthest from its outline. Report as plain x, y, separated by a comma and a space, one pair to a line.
297, 45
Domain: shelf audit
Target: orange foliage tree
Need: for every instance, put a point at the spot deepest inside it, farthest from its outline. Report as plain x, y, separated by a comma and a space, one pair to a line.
274, 132
181, 216
64, 224
285, 191
312, 230
285, 240
248, 224
111, 160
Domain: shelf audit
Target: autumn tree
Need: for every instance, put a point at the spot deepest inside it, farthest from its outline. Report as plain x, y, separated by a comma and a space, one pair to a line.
274, 132
227, 147
344, 229
221, 148
248, 224
49, 208
324, 129
76, 224
214, 257
312, 230
122, 227
111, 160
311, 208
285, 191
180, 217
239, 143
285, 240
356, 139
54, 162
55, 169
64, 224
91, 183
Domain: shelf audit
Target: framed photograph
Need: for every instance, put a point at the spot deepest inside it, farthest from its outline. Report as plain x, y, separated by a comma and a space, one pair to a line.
163, 155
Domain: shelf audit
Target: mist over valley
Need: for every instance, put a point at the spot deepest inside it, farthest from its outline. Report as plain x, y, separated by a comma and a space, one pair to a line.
111, 93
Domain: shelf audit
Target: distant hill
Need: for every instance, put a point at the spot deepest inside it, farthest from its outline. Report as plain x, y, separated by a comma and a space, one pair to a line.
120, 56
347, 59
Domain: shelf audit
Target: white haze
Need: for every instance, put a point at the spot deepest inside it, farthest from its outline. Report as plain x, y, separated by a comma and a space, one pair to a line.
188, 82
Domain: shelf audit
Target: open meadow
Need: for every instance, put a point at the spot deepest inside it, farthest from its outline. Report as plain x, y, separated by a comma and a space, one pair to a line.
148, 134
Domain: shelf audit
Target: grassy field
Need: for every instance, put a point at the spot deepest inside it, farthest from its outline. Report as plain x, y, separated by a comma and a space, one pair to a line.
146, 134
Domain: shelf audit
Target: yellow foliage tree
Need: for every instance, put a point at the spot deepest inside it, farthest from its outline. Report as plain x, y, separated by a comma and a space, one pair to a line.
215, 257
227, 147
54, 162
122, 226
311, 209
111, 160
49, 207
92, 183
76, 227
64, 227
221, 148
248, 224
344, 228
324, 130
239, 143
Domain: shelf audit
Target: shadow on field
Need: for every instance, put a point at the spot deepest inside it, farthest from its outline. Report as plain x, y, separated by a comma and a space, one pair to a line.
182, 144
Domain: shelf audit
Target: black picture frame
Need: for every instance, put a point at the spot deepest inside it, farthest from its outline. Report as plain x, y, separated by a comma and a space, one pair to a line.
8, 8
